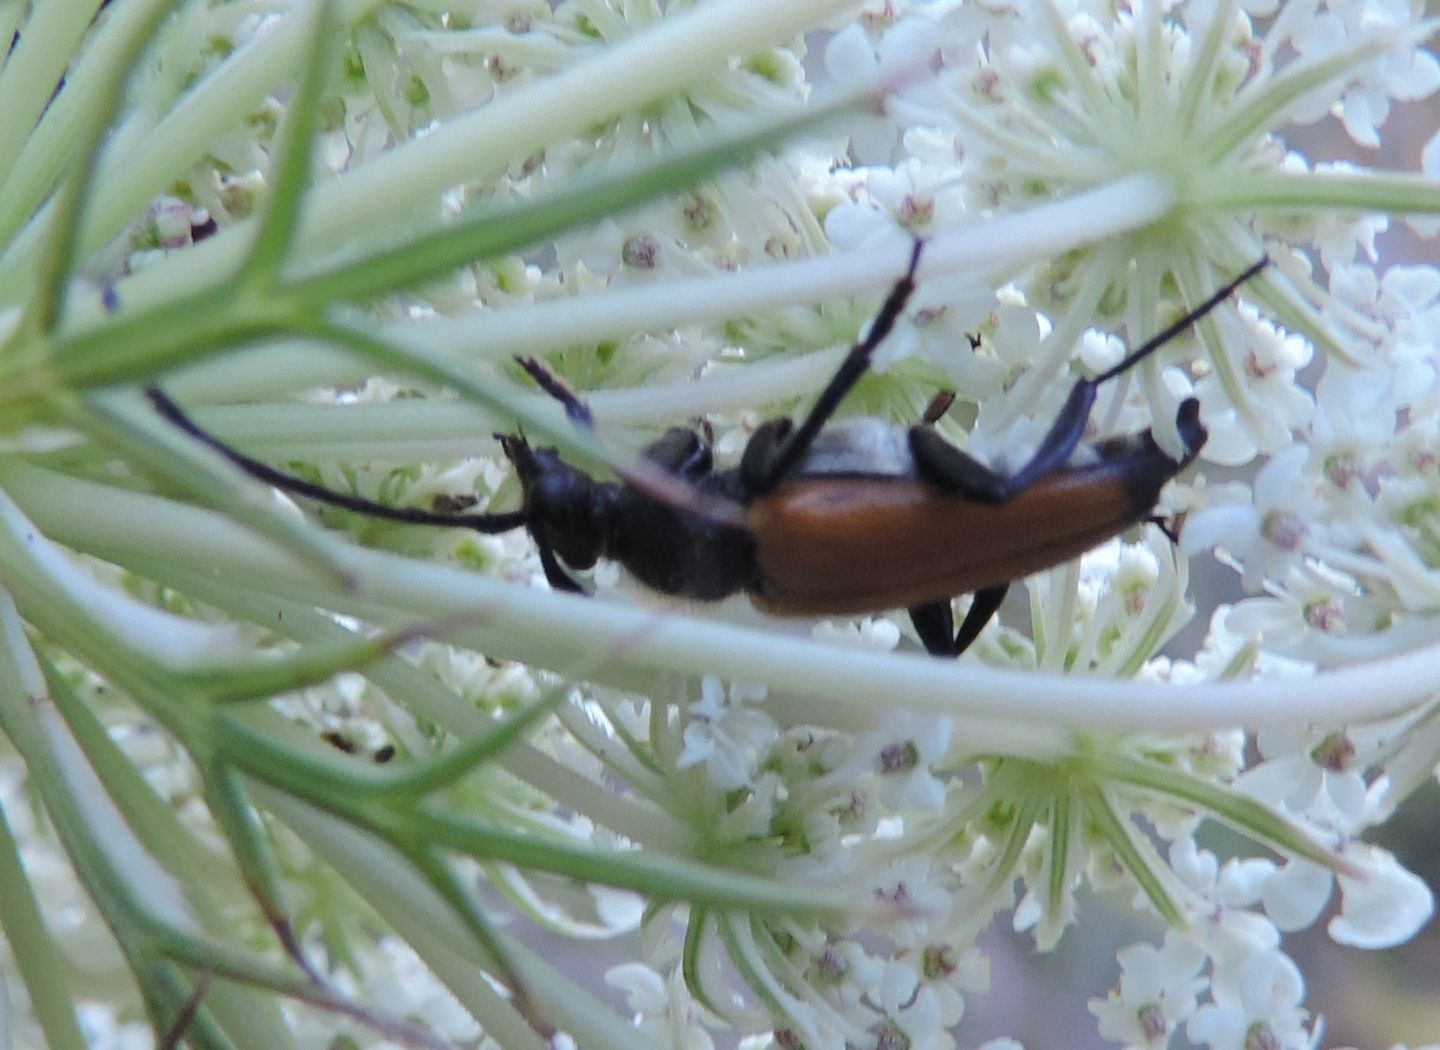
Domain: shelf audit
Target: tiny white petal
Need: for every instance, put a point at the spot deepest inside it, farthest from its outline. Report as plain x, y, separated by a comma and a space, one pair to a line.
1384, 908
1295, 895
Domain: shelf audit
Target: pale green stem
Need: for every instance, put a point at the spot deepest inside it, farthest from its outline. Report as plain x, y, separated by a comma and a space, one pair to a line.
617, 759
1136, 853
51, 143
1395, 193
1152, 102
1259, 105
411, 905
122, 873
1145, 635
1200, 74
1058, 346
1102, 113
747, 958
1057, 616
1075, 166
136, 627
381, 875
426, 697
131, 174
681, 51
644, 825
984, 247
412, 430
57, 255
1415, 763
124, 422
556, 630
36, 955
35, 66
1065, 843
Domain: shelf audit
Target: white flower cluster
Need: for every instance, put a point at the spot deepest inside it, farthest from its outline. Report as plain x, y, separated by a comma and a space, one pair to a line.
934, 825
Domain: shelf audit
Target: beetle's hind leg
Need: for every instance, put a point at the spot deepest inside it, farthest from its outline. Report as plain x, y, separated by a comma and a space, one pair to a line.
935, 623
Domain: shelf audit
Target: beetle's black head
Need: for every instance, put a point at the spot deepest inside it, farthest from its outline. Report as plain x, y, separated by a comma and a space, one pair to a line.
562, 503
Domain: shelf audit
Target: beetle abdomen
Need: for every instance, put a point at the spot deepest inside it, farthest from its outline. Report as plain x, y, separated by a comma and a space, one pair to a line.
852, 545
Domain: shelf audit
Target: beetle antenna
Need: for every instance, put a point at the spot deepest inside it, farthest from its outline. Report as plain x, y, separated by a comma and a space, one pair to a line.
1155, 342
287, 482
578, 411
1065, 433
857, 362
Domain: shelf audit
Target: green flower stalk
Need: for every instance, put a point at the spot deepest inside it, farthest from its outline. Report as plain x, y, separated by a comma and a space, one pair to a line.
279, 781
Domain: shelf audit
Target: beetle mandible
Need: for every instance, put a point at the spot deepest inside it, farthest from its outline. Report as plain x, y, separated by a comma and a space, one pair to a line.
838, 518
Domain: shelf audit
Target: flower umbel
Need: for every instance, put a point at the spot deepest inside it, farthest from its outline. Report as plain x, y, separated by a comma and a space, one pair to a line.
810, 825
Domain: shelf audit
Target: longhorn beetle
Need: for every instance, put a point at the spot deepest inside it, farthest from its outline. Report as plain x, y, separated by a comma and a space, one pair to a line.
849, 517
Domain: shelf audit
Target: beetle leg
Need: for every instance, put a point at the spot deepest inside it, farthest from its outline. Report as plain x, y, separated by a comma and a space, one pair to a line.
1069, 425
761, 452
935, 623
1059, 444
955, 471
952, 470
1165, 525
792, 446
557, 577
983, 606
681, 451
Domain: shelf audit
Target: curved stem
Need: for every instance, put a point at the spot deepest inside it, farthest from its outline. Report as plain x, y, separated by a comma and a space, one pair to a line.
553, 630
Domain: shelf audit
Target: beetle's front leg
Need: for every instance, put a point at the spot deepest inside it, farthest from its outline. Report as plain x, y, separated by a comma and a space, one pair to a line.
935, 623
556, 576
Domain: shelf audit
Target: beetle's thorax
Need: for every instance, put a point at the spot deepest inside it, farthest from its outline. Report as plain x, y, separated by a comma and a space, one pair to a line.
668, 549
566, 508
677, 551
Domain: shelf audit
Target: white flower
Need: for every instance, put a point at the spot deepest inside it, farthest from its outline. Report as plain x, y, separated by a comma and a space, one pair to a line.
1261, 1008
665, 1010
727, 735
1401, 73
1268, 536
1158, 990
1295, 894
1384, 905
876, 633
1223, 919
900, 755
910, 1012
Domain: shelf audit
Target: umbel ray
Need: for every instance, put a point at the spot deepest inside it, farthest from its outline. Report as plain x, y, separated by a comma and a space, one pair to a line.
838, 518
